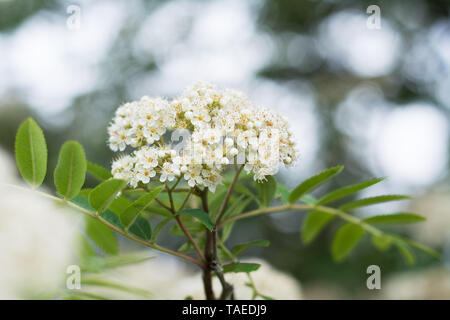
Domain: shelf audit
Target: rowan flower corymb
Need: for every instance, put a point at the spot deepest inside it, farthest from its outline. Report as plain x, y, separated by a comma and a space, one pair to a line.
224, 128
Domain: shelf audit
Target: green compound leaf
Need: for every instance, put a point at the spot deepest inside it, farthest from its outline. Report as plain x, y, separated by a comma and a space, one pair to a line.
70, 171
240, 267
265, 297
200, 215
108, 215
103, 195
188, 247
395, 218
406, 252
141, 228
31, 152
238, 249
308, 199
381, 242
98, 172
240, 188
313, 182
226, 230
119, 205
345, 240
371, 201
83, 202
237, 207
194, 226
348, 190
112, 218
85, 192
417, 246
103, 236
136, 208
266, 190
283, 192
94, 281
216, 200
126, 259
315, 221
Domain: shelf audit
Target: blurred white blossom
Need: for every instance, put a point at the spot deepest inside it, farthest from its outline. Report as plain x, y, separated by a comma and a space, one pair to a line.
433, 283
36, 240
168, 279
268, 281
435, 206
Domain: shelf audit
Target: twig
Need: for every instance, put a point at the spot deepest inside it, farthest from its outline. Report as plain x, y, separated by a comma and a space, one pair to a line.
185, 200
115, 228
178, 190
212, 260
228, 195
182, 226
169, 192
190, 238
227, 289
207, 276
163, 205
227, 251
175, 185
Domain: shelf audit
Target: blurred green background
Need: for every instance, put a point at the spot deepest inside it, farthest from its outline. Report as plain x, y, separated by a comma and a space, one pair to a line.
374, 100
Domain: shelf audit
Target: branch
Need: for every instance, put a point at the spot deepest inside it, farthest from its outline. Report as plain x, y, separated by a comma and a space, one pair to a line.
228, 195
207, 276
177, 190
343, 215
227, 289
190, 238
212, 259
115, 228
163, 205
169, 192
185, 200
135, 238
182, 226
287, 207
175, 185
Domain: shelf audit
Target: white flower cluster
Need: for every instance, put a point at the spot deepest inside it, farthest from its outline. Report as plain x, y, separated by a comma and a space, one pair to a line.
218, 127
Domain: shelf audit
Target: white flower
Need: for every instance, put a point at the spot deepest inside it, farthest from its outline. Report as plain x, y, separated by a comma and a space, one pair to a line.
144, 174
192, 175
228, 142
168, 172
147, 157
122, 167
243, 138
211, 178
213, 136
233, 152
117, 138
